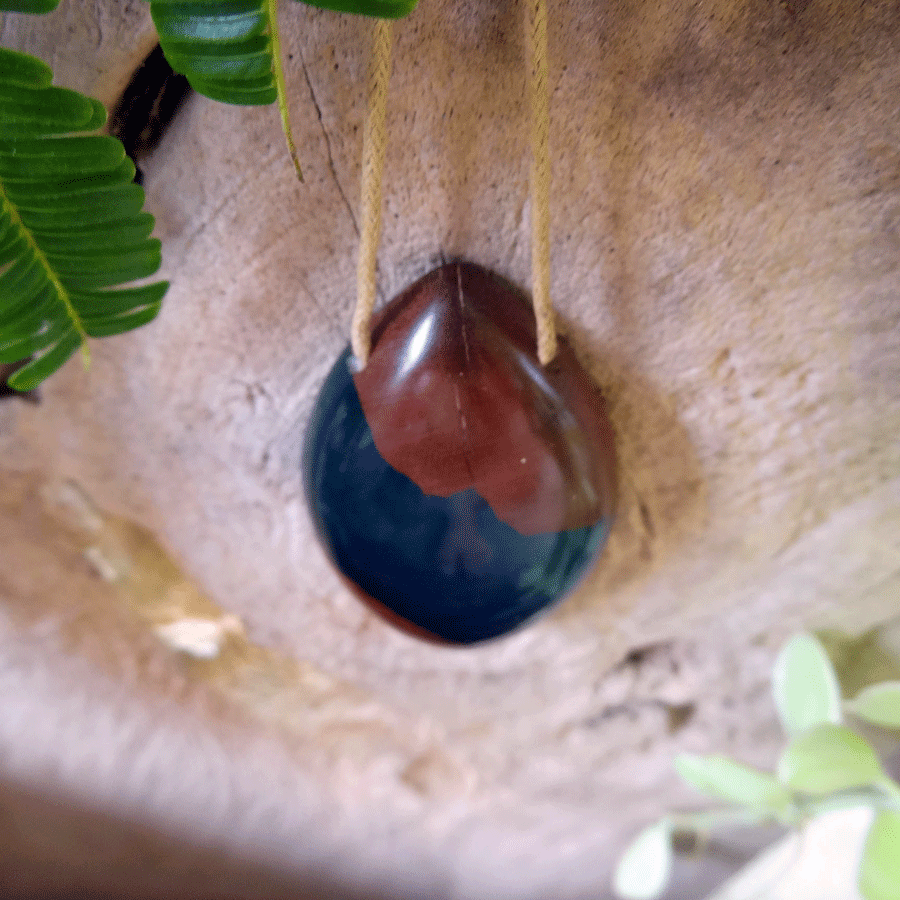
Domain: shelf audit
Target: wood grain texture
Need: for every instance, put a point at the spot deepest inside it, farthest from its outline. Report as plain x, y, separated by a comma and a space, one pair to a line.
726, 262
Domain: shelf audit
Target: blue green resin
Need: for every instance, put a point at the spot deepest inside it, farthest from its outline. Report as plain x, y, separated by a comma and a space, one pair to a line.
443, 566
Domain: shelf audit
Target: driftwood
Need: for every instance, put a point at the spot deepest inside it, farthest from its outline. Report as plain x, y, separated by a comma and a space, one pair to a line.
726, 261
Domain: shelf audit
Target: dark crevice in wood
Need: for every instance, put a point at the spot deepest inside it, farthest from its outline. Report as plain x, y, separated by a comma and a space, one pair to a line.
638, 656
146, 108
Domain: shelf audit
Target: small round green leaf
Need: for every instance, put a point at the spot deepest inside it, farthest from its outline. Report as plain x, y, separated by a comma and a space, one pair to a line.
726, 779
878, 704
827, 759
805, 686
879, 874
646, 866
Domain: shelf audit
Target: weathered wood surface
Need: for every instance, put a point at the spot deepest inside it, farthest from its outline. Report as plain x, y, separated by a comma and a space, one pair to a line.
726, 248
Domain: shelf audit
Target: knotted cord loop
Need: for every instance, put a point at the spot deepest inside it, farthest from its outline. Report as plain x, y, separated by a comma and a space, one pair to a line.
374, 146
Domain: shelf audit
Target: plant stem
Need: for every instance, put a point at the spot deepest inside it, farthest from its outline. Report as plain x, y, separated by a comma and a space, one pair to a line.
280, 87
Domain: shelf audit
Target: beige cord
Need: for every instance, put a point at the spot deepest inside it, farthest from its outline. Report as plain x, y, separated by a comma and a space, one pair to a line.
374, 146
538, 90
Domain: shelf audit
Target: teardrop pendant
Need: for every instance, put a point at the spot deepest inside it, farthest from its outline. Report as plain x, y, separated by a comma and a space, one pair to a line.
460, 487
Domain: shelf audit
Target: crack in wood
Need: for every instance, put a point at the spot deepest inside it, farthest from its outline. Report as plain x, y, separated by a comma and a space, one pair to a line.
328, 150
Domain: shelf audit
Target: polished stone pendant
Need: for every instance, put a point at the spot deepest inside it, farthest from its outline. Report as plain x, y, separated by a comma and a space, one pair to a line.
459, 486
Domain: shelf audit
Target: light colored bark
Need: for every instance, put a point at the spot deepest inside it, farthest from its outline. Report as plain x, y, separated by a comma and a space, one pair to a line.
726, 206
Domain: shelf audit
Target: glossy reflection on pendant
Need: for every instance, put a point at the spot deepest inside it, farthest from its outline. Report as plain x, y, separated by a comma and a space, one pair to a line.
458, 485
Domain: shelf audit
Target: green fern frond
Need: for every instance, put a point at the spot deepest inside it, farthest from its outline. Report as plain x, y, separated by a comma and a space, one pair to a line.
71, 225
224, 47
229, 49
381, 9
29, 6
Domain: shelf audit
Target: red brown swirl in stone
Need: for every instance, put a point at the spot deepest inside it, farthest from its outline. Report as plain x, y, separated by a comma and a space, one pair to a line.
455, 398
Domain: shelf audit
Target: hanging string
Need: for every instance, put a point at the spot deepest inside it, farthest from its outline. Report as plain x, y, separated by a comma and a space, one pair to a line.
539, 97
374, 146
